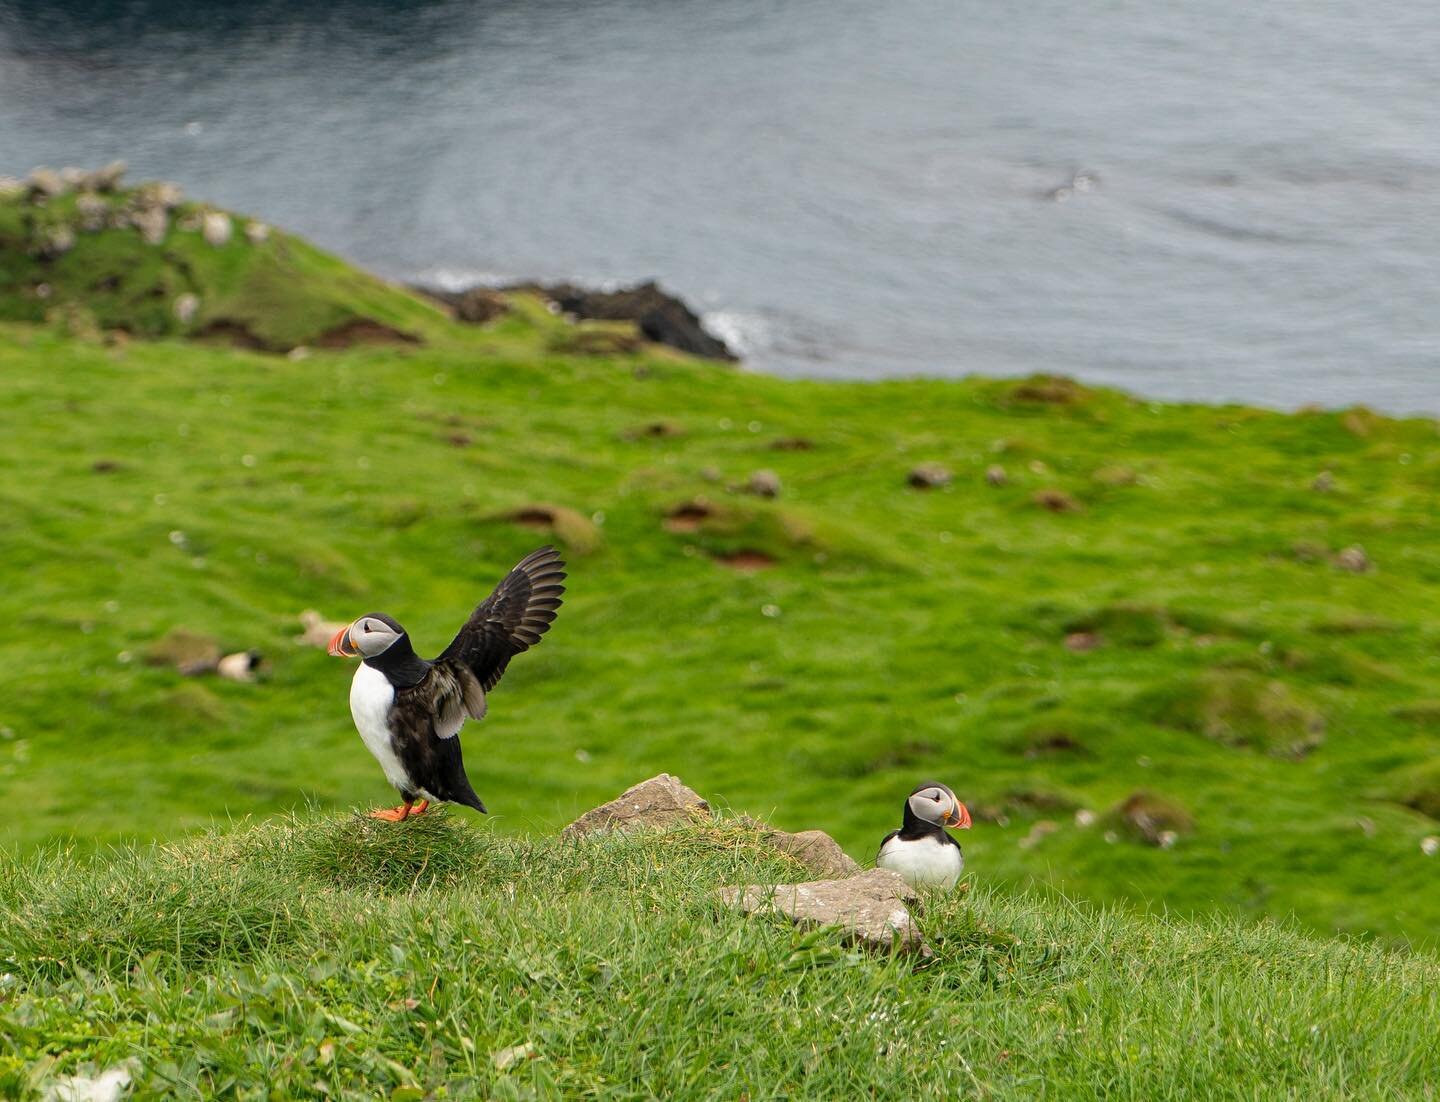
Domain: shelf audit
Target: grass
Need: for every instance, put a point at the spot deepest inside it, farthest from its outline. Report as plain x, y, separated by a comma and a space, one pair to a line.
336, 957
807, 658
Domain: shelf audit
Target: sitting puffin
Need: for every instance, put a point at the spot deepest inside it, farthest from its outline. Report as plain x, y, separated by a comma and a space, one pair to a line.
921, 851
409, 711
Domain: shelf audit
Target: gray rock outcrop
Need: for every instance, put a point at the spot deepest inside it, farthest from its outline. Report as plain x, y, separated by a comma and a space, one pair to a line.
661, 802
874, 909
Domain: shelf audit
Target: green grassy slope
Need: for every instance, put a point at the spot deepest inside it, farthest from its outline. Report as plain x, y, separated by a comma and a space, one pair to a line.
1285, 709
338, 958
273, 293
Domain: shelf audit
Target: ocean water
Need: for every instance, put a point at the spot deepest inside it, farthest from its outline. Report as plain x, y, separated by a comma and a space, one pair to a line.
1208, 201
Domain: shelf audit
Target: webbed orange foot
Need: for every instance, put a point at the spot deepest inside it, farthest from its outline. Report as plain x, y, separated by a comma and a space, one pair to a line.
392, 814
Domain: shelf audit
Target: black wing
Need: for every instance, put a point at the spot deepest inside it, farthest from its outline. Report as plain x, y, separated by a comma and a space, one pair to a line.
511, 619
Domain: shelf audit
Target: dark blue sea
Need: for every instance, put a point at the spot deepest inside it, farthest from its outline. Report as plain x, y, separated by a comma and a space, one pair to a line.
1208, 200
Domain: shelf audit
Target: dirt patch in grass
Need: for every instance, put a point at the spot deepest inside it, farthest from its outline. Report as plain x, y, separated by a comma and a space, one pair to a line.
571, 527
746, 560
1057, 501
689, 516
234, 333
367, 331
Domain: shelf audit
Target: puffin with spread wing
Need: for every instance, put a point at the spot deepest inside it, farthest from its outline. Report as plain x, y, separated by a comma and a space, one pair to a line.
409, 711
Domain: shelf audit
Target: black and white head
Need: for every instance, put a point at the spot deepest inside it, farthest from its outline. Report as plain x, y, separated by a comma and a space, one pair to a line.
368, 637
933, 802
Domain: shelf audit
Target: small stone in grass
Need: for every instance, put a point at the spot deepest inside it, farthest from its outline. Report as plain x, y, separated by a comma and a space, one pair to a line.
1324, 483
764, 484
996, 476
1080, 641
1430, 845
930, 476
1354, 560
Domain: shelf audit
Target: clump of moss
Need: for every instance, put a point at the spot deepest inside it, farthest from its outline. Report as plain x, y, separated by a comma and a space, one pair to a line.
1242, 708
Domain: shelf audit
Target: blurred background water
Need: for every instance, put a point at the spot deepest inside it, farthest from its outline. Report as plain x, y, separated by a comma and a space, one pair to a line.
1208, 201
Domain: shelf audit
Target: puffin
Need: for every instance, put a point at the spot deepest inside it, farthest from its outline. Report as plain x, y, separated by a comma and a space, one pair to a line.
921, 850
409, 711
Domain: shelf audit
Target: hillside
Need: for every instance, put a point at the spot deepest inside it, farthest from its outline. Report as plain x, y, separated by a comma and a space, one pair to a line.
1177, 656
333, 957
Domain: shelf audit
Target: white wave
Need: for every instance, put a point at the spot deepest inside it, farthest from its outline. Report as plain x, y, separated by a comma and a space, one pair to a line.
744, 334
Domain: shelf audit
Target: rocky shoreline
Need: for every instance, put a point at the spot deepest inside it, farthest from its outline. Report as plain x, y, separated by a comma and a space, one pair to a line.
88, 202
659, 316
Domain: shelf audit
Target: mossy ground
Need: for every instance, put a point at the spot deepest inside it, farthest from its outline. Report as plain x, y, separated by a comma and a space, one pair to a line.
873, 635
326, 957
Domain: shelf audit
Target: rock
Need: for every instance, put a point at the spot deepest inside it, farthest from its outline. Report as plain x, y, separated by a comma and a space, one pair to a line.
660, 803
57, 241
1324, 483
105, 179
92, 211
816, 850
764, 484
43, 184
239, 667
216, 228
474, 305
257, 233
929, 476
158, 193
1081, 641
1354, 560
873, 908
152, 222
186, 307
661, 317
1057, 501
186, 651
318, 630
72, 177
995, 475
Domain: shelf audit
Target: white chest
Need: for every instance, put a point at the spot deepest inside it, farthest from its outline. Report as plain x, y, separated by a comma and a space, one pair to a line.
924, 862
371, 695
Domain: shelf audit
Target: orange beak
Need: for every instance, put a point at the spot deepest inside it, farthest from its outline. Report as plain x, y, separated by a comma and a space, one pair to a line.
959, 816
340, 645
